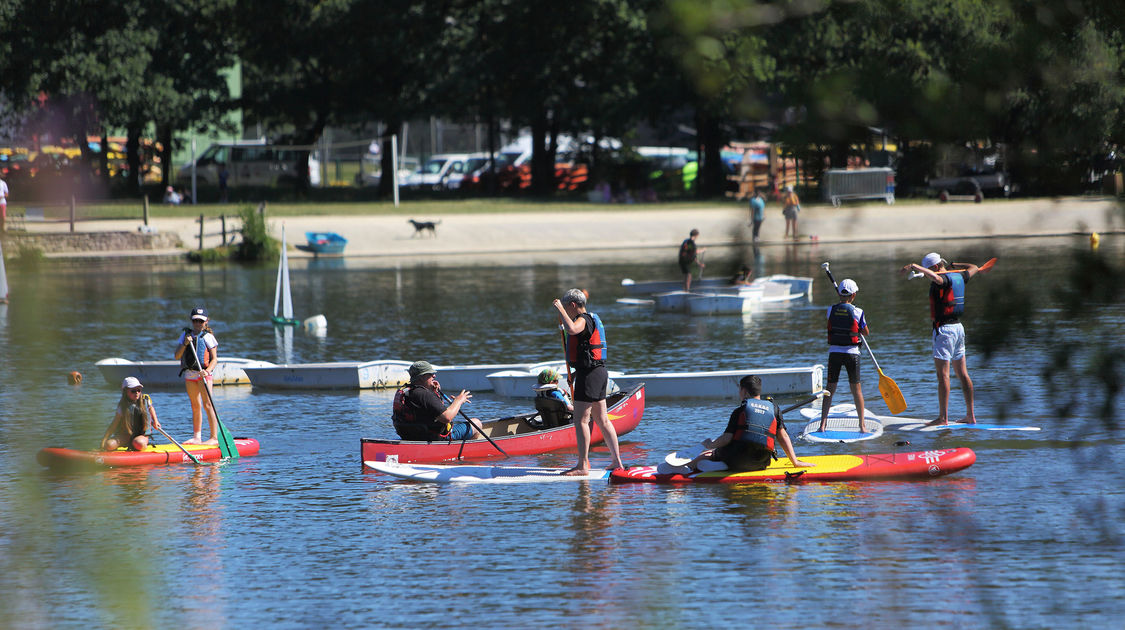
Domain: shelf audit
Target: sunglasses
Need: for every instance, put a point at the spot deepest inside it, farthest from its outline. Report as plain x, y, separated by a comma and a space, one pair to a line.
135, 390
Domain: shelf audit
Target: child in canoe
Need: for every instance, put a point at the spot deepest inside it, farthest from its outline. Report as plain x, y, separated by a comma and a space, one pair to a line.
134, 418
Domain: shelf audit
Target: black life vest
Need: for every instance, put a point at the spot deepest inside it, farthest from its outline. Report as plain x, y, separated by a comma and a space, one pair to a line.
687, 251
188, 360
843, 325
758, 423
135, 416
947, 302
588, 348
404, 417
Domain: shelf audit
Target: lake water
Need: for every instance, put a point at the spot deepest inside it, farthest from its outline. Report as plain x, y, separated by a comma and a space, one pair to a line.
301, 536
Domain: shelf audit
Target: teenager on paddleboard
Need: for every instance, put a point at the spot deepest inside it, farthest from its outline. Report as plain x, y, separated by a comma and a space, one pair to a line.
846, 322
420, 413
947, 304
585, 355
134, 418
196, 368
749, 442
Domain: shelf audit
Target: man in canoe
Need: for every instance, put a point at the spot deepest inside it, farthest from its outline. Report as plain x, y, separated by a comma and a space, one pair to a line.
420, 412
846, 322
134, 418
751, 437
947, 304
690, 255
585, 354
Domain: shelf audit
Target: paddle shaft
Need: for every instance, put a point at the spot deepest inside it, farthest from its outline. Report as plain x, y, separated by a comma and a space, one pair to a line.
226, 442
569, 378
476, 426
186, 452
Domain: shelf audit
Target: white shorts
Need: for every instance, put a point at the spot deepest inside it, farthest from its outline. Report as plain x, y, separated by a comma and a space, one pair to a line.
949, 342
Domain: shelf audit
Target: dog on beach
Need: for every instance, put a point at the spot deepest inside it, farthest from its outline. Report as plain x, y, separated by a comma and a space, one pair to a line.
420, 227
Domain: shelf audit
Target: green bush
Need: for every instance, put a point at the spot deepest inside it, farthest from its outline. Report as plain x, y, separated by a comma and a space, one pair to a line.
256, 245
28, 257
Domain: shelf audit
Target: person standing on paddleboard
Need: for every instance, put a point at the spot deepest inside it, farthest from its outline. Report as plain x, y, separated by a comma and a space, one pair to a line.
420, 413
750, 439
196, 368
585, 354
947, 304
846, 322
689, 255
134, 418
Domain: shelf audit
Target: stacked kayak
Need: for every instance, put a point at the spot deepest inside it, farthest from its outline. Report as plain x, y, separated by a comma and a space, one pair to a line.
916, 465
69, 458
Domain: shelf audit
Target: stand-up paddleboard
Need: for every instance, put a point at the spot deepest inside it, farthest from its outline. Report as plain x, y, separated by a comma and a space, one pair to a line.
892, 423
917, 465
480, 474
841, 429
69, 458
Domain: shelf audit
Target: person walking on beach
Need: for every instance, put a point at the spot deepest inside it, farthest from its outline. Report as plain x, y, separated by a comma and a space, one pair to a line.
196, 368
585, 354
791, 207
846, 322
757, 212
947, 304
690, 254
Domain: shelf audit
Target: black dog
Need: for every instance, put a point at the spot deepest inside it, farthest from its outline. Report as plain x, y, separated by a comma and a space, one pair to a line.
421, 226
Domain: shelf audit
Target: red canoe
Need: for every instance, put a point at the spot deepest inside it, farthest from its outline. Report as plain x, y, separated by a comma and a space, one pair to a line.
55, 457
515, 435
918, 465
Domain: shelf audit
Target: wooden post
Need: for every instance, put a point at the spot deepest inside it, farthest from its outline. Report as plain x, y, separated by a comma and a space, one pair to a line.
262, 209
72, 212
223, 218
201, 232
146, 209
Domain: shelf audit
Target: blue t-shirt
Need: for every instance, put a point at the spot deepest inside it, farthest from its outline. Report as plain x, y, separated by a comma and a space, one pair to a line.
758, 205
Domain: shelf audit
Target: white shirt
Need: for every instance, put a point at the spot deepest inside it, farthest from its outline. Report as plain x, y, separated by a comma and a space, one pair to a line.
3, 192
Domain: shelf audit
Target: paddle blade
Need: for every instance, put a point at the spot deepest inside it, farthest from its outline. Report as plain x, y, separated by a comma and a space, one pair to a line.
988, 265
892, 395
226, 443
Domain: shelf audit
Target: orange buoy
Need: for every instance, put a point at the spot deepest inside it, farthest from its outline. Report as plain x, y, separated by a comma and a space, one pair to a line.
75, 378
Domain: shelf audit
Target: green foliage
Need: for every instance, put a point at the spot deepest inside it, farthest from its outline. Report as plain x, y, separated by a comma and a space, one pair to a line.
257, 244
211, 255
28, 257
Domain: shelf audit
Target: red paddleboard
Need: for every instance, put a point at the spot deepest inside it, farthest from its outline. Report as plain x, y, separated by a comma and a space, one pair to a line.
918, 465
61, 458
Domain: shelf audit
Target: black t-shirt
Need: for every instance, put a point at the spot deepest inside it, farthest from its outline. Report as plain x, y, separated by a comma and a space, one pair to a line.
427, 406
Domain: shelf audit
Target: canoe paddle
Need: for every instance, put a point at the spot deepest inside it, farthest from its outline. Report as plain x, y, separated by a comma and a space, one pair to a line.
984, 267
474, 425
186, 452
888, 388
226, 441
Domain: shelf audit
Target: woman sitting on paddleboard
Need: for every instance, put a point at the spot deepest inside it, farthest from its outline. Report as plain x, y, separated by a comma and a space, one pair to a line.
196, 368
134, 418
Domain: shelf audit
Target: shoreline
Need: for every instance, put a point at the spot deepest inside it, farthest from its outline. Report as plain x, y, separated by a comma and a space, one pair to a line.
609, 230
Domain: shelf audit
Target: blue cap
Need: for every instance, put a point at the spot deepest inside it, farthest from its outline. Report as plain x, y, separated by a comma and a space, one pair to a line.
199, 313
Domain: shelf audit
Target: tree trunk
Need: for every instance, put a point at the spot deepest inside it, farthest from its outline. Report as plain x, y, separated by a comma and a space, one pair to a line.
133, 160
167, 168
713, 174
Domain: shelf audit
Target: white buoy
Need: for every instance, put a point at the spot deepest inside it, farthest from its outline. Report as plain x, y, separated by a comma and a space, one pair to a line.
316, 325
626, 282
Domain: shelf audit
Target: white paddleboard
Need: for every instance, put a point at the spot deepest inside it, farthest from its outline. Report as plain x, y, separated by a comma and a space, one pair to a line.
893, 423
436, 473
841, 429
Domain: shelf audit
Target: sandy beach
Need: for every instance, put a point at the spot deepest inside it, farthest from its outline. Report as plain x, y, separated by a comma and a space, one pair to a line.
604, 230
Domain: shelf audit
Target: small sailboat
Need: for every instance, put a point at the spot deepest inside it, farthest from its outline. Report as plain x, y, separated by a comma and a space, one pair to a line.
282, 298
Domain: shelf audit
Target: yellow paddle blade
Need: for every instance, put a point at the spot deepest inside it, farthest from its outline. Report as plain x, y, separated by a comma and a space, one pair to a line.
892, 395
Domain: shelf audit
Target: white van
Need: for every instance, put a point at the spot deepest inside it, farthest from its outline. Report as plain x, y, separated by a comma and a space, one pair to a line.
248, 164
441, 172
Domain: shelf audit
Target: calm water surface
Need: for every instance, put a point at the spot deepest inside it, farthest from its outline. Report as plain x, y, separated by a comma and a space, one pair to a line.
301, 536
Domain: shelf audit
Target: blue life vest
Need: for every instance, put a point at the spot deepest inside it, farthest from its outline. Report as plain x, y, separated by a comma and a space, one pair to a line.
758, 424
188, 360
843, 325
947, 302
588, 348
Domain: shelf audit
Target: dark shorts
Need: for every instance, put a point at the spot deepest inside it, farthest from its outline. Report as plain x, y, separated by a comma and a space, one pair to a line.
741, 457
685, 267
590, 384
836, 360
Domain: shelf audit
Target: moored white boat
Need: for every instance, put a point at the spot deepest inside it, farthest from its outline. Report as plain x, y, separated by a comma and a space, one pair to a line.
649, 287
332, 375
723, 384
521, 383
474, 378
228, 371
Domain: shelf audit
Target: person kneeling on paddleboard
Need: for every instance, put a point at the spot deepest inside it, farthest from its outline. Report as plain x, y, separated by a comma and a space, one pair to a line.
420, 413
748, 443
134, 418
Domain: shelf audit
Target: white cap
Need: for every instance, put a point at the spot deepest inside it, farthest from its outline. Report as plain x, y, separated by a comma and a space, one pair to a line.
848, 287
130, 382
931, 259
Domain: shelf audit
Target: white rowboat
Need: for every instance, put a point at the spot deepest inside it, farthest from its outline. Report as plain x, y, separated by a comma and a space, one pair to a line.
228, 371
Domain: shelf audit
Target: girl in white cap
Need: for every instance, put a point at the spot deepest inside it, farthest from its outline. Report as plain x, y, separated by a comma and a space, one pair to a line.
846, 322
134, 418
197, 375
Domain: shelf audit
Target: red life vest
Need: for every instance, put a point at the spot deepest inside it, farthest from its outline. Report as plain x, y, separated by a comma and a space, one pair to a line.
947, 302
588, 348
843, 325
758, 423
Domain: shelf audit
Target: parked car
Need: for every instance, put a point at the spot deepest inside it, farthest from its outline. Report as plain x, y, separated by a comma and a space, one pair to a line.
248, 164
978, 184
441, 172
